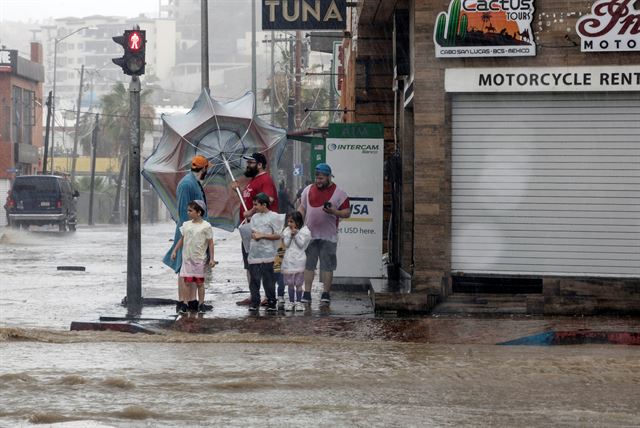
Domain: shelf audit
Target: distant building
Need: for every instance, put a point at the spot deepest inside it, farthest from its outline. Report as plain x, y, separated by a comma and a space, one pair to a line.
21, 102
94, 48
229, 46
21, 106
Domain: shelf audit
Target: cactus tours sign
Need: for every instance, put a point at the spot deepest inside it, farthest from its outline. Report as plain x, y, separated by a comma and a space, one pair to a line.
485, 28
613, 25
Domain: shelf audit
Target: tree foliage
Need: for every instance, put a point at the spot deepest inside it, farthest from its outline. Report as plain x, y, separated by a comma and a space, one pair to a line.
114, 120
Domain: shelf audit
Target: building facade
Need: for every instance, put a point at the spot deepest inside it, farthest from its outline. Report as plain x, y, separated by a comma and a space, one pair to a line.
21, 101
513, 143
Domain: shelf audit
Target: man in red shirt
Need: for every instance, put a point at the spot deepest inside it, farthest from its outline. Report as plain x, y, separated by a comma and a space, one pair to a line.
322, 204
261, 182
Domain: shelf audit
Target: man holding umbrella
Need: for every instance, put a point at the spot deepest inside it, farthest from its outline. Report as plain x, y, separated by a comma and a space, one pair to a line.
189, 189
261, 182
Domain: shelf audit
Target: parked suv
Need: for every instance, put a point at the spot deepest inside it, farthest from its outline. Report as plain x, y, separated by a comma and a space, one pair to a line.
42, 199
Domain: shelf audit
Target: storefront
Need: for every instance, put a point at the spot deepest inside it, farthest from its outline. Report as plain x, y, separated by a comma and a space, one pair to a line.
21, 137
519, 121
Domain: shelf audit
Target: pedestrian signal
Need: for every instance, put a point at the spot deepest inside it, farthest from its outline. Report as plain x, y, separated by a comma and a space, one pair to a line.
134, 44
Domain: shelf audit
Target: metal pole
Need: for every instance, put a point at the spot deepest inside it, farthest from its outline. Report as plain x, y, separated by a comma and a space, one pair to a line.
46, 134
115, 212
297, 149
291, 126
53, 105
254, 84
273, 80
77, 128
94, 144
134, 274
204, 44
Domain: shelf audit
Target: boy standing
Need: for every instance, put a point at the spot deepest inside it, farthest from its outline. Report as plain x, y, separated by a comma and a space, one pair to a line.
266, 227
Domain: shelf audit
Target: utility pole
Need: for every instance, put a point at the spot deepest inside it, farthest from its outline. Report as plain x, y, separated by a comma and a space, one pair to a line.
204, 44
77, 130
273, 80
297, 149
115, 212
134, 274
254, 84
291, 123
94, 145
46, 135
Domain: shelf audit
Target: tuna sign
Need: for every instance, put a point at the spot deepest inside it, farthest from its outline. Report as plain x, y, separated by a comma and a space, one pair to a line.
613, 25
485, 28
304, 14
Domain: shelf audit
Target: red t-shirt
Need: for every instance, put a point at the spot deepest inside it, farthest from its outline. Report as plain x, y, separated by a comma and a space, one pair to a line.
317, 196
262, 183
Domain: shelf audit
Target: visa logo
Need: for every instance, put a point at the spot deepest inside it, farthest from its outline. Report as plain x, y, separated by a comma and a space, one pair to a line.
360, 209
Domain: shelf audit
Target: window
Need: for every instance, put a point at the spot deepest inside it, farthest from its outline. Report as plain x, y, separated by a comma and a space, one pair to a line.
23, 115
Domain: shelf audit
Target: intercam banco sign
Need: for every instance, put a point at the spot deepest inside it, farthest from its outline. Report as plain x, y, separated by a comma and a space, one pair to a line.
355, 152
485, 28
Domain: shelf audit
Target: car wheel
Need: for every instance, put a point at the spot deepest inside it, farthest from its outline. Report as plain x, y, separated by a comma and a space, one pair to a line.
72, 227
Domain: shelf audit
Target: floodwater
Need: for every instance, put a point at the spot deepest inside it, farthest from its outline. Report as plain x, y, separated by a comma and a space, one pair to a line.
50, 376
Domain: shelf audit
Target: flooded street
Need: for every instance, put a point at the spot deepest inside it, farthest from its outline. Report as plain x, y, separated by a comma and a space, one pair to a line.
51, 376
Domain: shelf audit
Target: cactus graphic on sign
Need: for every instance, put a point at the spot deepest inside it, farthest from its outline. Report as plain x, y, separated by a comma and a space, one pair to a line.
456, 26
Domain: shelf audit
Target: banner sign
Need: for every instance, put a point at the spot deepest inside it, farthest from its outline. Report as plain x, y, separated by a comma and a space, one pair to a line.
543, 79
8, 60
612, 26
360, 236
304, 14
485, 28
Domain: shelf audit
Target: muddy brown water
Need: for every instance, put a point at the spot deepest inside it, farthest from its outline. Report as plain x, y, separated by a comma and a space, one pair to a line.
298, 372
243, 379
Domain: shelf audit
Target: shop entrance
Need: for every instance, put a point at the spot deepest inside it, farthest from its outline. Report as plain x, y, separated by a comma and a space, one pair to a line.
546, 184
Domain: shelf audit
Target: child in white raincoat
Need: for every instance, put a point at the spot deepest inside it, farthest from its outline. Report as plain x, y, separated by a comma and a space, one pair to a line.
296, 237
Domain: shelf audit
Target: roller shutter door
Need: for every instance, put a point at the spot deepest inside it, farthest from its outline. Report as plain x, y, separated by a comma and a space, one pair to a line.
546, 184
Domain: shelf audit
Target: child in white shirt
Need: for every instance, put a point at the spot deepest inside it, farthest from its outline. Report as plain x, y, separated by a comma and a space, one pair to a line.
197, 237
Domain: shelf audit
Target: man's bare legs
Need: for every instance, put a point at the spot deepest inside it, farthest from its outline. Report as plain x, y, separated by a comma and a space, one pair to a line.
327, 279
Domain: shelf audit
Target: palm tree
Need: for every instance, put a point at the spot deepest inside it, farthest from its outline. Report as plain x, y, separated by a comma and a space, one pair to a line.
114, 141
114, 120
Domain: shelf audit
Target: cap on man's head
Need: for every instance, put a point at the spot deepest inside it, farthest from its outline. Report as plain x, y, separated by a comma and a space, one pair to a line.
199, 161
263, 198
258, 158
323, 168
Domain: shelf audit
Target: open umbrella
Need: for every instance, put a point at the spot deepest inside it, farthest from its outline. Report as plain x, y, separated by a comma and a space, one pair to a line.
223, 132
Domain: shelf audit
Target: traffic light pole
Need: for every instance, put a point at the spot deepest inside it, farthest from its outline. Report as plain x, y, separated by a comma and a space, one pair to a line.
134, 274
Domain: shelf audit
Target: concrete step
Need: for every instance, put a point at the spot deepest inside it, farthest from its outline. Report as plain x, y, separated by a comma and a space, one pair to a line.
474, 303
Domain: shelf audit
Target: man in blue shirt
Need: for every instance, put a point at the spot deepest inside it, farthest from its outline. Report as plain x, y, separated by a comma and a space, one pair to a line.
189, 189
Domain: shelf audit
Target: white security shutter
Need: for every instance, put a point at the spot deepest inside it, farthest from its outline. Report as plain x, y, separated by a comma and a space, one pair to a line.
546, 183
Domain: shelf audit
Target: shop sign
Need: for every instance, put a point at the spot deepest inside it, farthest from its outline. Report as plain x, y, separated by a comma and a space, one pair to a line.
543, 79
27, 153
304, 14
485, 28
8, 60
612, 26
351, 149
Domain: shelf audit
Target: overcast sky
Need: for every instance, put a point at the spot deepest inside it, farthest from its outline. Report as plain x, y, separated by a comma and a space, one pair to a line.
38, 10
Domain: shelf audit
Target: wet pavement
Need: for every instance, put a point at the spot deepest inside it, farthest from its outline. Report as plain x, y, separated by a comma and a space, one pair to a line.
36, 294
